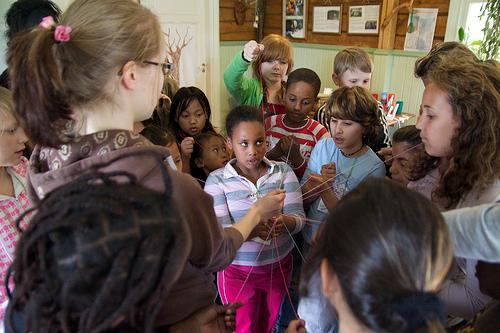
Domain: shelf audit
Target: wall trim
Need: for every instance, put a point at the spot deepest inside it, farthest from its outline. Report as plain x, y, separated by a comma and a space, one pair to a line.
374, 51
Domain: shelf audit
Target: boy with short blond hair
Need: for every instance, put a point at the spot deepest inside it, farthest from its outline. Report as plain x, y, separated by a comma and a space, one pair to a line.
352, 66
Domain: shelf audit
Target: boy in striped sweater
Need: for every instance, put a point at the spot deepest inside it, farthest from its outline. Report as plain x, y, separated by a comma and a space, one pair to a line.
260, 274
292, 136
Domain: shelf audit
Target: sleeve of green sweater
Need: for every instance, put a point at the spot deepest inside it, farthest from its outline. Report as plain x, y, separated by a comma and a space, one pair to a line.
246, 90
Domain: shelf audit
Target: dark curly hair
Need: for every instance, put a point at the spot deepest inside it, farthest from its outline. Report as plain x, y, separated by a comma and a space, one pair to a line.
474, 98
356, 104
424, 163
98, 256
241, 114
368, 241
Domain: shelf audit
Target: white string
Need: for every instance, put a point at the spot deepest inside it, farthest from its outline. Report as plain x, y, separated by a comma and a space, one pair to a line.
354, 165
286, 161
257, 258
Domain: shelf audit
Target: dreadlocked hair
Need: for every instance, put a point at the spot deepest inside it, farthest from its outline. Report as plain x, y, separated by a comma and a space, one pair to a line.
96, 257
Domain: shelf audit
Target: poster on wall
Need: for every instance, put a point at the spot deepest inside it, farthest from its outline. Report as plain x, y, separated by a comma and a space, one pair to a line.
294, 20
326, 19
363, 19
421, 28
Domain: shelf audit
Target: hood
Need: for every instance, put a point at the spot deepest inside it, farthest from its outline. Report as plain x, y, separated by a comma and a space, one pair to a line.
106, 150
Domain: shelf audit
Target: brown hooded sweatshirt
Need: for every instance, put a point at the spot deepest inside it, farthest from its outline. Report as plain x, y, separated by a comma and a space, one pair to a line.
212, 248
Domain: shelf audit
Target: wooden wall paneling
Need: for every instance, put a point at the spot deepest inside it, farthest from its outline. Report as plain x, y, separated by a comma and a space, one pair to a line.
387, 30
402, 21
229, 30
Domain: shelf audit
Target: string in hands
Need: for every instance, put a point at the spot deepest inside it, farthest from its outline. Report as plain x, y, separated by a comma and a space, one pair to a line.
348, 170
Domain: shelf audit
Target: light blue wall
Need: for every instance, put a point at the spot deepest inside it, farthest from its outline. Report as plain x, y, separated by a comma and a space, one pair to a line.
393, 70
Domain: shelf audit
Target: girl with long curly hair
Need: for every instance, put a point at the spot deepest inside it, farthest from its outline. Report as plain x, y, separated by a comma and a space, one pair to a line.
460, 124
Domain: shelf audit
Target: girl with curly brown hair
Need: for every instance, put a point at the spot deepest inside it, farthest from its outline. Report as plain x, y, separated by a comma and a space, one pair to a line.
460, 124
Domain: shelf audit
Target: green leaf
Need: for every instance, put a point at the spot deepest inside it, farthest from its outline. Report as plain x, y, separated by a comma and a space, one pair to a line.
461, 34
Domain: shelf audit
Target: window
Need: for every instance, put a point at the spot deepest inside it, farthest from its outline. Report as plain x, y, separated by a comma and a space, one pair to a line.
464, 13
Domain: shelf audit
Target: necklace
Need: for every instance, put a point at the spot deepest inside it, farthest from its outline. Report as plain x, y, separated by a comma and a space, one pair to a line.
352, 154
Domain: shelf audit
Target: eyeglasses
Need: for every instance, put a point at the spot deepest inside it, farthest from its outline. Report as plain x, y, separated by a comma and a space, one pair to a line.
166, 67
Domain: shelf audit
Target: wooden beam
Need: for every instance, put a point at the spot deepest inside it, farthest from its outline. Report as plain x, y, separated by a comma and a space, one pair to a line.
387, 33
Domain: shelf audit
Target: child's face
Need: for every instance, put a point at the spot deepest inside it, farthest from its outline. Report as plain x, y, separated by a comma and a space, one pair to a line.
12, 141
401, 163
192, 120
274, 71
176, 155
347, 134
437, 123
300, 100
353, 78
248, 143
214, 156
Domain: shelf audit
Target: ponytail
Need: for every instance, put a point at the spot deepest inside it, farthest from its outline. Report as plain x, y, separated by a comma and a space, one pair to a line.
51, 72
37, 86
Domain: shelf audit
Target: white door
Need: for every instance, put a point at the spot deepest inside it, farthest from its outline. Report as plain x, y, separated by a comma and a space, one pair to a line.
198, 21
195, 22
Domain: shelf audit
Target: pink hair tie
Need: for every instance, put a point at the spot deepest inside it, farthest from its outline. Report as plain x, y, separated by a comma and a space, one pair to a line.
47, 22
61, 33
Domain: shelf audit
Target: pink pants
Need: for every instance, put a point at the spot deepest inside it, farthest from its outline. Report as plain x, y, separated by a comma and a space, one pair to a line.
261, 296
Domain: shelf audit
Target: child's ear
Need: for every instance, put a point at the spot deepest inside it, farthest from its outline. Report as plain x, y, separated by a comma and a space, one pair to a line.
229, 144
199, 162
336, 79
128, 75
329, 284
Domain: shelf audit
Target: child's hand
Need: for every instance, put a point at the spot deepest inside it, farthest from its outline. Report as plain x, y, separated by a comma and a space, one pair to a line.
230, 315
290, 149
271, 204
386, 154
284, 145
314, 185
314, 180
296, 326
276, 224
328, 171
212, 319
187, 146
261, 230
252, 50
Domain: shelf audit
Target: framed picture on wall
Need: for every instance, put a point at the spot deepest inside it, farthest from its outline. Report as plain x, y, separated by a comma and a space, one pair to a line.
327, 19
364, 19
295, 18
